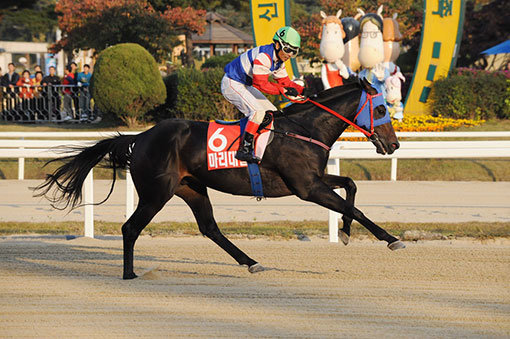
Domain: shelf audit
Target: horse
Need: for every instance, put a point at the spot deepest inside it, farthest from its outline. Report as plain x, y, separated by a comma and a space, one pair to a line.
170, 159
332, 50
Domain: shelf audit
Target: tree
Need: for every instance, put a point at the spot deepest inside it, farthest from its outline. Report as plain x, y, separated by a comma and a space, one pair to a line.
484, 27
27, 20
131, 22
127, 82
188, 21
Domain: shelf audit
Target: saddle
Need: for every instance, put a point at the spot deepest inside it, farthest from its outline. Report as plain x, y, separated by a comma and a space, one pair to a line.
268, 118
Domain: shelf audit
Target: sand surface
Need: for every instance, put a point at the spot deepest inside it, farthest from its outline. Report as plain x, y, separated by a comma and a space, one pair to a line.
72, 288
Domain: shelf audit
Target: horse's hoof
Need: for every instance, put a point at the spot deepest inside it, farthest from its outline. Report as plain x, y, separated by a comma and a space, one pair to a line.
256, 268
129, 276
343, 236
396, 245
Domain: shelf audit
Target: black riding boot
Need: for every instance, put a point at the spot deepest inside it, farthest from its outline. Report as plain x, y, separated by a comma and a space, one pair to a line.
245, 152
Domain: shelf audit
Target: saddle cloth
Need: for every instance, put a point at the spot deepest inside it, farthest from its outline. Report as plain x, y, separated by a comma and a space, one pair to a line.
223, 143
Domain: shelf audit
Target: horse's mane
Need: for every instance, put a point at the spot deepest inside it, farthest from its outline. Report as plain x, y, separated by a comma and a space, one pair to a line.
324, 97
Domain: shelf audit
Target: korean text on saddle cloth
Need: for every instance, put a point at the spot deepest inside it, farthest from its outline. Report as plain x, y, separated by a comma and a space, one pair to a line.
223, 143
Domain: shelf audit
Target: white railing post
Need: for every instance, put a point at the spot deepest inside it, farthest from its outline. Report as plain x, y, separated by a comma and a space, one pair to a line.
21, 165
334, 169
130, 195
393, 169
88, 198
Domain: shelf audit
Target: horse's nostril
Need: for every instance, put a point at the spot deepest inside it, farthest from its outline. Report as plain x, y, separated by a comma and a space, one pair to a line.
395, 145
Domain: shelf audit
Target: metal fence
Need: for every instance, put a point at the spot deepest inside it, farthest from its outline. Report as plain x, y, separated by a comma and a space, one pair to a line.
49, 103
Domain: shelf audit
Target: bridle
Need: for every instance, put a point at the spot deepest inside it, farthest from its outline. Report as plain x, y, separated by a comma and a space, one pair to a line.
369, 99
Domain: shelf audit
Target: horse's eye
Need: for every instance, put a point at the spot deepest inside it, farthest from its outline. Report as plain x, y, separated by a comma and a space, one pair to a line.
379, 112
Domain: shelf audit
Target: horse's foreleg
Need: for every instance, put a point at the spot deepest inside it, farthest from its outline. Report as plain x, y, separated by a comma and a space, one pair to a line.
335, 181
132, 229
199, 202
321, 194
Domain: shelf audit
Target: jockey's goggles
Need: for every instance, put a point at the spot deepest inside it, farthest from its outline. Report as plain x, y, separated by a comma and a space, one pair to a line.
371, 34
289, 50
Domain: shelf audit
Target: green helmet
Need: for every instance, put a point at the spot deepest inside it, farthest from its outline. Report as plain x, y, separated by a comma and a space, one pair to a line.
289, 36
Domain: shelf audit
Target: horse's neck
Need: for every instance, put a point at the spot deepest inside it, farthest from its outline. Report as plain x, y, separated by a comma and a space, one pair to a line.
325, 126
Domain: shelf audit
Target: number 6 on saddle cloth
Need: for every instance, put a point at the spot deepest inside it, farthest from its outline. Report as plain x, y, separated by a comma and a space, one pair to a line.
223, 141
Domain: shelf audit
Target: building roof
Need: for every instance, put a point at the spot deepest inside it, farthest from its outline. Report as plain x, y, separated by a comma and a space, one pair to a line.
218, 32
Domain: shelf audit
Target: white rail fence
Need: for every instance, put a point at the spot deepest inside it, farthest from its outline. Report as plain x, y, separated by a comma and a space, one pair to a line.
22, 148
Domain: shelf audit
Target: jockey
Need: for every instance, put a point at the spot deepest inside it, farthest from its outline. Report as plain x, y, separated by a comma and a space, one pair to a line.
247, 77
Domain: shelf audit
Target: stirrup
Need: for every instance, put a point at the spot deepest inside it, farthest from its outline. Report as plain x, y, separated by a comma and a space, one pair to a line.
244, 156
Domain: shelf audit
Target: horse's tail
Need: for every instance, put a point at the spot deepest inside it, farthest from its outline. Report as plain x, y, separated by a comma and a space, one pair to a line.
68, 179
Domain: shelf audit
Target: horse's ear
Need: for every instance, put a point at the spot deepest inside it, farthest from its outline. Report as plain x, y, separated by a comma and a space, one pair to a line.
395, 15
323, 15
379, 11
360, 12
357, 16
339, 13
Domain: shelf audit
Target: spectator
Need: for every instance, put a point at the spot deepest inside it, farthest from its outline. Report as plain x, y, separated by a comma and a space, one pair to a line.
26, 94
83, 81
11, 78
68, 81
40, 109
37, 68
50, 93
74, 90
8, 81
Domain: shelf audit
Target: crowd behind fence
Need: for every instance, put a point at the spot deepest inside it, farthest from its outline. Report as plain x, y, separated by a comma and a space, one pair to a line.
47, 103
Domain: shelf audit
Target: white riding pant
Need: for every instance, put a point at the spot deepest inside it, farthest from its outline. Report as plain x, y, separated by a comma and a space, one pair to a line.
247, 99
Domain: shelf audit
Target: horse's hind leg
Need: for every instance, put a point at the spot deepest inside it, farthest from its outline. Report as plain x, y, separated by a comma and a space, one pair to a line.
335, 181
195, 195
132, 229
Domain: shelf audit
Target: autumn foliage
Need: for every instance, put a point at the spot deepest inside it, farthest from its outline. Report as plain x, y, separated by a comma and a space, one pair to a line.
98, 24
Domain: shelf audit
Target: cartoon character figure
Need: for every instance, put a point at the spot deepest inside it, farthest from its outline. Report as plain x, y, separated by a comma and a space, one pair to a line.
391, 38
371, 49
351, 43
332, 50
394, 95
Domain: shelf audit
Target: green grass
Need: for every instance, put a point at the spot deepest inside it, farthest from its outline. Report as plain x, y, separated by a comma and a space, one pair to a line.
410, 170
280, 229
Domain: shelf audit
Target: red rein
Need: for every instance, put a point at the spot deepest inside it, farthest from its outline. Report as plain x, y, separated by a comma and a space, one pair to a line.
336, 114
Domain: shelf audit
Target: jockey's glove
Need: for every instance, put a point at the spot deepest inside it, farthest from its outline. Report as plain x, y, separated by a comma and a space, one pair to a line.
291, 91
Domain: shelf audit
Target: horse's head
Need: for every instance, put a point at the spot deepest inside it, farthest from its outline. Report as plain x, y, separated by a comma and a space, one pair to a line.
371, 49
383, 137
332, 35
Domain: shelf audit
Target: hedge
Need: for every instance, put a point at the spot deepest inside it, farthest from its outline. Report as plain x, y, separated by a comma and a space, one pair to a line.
472, 94
127, 82
219, 61
196, 95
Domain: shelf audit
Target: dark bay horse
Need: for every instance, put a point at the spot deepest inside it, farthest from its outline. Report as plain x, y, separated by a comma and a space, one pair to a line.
170, 159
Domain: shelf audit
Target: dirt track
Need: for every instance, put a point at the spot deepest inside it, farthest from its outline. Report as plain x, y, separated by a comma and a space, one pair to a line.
58, 288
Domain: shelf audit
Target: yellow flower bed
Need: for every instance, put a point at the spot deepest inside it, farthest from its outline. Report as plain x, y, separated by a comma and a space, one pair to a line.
424, 123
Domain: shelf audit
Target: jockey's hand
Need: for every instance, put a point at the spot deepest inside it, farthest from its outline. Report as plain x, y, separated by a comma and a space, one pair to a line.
291, 91
308, 92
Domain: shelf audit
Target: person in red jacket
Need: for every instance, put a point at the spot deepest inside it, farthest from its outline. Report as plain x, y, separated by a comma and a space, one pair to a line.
247, 78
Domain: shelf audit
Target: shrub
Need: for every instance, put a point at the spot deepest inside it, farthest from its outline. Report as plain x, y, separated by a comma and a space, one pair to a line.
219, 61
471, 94
127, 82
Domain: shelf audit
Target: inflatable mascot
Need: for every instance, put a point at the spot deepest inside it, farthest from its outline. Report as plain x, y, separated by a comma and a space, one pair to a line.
332, 50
